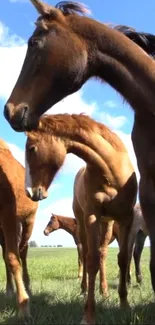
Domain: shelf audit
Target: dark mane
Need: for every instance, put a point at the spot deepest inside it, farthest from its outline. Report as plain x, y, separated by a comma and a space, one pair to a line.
145, 40
66, 123
70, 7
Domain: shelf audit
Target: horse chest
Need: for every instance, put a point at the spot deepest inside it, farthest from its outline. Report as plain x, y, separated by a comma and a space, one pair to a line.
106, 195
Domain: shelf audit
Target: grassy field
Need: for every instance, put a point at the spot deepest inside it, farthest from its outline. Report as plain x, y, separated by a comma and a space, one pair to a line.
56, 298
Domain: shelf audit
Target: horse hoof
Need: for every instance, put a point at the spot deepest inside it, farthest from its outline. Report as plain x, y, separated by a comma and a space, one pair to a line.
104, 293
83, 293
24, 318
124, 305
24, 311
139, 279
129, 284
85, 322
9, 294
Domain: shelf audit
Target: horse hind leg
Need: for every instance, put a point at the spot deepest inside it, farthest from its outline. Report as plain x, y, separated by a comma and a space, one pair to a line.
13, 261
127, 239
139, 245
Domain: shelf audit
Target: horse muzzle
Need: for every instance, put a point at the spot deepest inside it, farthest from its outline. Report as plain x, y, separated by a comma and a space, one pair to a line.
19, 117
46, 232
36, 194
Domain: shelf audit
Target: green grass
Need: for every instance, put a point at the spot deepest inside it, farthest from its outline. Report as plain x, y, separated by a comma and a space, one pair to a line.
55, 287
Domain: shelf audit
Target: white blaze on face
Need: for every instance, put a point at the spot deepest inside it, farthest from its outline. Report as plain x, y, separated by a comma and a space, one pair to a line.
28, 180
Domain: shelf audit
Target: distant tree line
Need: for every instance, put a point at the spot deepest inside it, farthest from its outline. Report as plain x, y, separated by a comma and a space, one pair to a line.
51, 245
33, 243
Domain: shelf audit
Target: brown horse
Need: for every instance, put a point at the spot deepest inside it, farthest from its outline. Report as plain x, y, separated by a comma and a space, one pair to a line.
16, 210
65, 50
105, 189
70, 225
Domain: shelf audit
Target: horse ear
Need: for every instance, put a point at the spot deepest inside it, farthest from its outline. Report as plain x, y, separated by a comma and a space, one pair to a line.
31, 135
43, 8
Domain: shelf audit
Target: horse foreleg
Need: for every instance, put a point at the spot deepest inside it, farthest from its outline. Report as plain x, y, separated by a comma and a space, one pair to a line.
9, 280
139, 245
13, 261
80, 260
83, 239
124, 258
26, 278
27, 227
93, 259
106, 235
147, 201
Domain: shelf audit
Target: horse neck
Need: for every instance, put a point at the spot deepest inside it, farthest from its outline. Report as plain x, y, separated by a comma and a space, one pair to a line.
118, 61
67, 224
93, 149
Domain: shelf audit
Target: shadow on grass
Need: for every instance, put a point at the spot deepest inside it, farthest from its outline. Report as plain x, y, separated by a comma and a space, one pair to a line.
46, 310
61, 278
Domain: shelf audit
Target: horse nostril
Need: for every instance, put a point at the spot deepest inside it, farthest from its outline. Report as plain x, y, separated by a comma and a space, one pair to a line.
40, 194
7, 114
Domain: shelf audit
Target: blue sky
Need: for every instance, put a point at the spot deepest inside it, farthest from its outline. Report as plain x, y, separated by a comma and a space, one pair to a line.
95, 98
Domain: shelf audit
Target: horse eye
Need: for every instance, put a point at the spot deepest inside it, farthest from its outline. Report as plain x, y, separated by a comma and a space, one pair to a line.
33, 41
33, 148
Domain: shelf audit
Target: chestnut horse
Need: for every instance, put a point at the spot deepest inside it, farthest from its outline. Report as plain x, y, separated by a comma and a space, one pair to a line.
70, 225
65, 50
105, 189
17, 216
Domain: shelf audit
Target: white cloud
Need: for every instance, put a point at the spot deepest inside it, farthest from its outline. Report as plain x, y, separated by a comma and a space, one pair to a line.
13, 1
18, 153
115, 122
110, 104
72, 164
8, 39
12, 53
73, 104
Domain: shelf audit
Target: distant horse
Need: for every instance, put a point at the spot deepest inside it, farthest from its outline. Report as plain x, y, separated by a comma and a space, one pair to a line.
65, 50
105, 189
70, 225
17, 216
